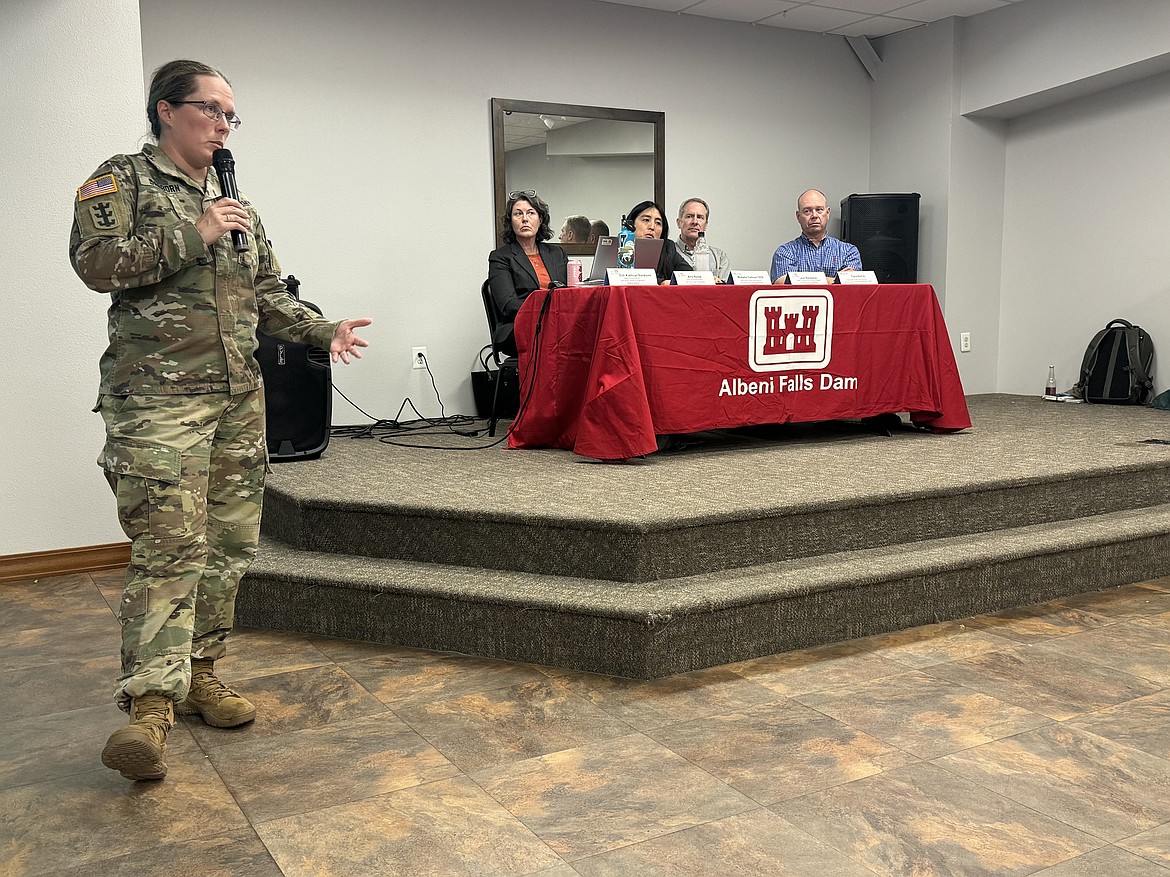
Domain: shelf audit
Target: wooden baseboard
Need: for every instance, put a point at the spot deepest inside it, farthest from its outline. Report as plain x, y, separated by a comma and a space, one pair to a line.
63, 561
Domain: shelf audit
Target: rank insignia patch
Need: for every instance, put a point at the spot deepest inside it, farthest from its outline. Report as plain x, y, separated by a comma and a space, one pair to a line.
103, 185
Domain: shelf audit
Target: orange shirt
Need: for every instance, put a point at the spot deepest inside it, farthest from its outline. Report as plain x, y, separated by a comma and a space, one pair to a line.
541, 272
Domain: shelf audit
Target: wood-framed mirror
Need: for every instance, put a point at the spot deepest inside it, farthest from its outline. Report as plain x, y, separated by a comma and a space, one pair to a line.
582, 161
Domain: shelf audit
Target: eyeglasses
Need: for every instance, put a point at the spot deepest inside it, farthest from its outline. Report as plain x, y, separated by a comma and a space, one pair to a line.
531, 193
213, 112
814, 211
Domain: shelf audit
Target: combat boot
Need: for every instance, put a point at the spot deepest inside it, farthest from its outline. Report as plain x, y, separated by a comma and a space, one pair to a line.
136, 751
219, 706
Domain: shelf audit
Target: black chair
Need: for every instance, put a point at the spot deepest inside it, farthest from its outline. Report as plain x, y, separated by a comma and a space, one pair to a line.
504, 364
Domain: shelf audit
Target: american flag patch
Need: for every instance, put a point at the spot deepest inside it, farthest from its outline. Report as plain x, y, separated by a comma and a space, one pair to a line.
103, 185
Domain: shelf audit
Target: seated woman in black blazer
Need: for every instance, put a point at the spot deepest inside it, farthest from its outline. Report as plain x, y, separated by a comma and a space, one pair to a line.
524, 262
648, 220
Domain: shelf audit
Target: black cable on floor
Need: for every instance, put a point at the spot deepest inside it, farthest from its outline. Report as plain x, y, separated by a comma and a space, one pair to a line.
386, 431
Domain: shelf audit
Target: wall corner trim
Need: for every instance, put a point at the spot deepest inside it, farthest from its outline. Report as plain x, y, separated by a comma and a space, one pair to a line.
63, 561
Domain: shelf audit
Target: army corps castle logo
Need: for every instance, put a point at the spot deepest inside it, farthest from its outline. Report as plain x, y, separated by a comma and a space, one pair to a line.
790, 331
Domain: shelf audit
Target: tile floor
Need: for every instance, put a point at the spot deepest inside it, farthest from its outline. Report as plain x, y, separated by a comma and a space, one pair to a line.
1029, 742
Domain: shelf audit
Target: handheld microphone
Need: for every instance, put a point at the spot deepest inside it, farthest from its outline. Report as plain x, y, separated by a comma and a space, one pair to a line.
225, 168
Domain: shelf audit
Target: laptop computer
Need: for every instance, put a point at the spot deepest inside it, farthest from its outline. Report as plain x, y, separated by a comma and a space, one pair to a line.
647, 252
605, 256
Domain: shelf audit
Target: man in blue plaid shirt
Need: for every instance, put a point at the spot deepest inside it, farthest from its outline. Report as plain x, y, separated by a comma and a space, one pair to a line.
814, 250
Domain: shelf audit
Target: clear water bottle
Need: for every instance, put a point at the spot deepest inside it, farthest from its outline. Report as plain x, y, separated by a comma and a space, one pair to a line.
626, 245
1050, 386
701, 257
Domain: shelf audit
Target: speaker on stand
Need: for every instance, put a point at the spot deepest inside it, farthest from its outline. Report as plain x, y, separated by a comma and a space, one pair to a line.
884, 228
298, 393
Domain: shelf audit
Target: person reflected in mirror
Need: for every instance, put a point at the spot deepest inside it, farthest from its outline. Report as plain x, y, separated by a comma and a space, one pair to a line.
692, 222
598, 228
524, 263
814, 249
649, 221
575, 230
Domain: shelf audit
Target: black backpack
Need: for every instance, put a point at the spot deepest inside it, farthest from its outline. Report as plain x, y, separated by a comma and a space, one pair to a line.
1116, 368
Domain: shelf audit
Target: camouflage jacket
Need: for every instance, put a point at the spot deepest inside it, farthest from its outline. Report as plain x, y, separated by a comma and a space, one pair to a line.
183, 316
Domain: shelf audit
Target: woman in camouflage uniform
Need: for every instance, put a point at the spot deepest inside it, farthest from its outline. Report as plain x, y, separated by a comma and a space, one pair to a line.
182, 400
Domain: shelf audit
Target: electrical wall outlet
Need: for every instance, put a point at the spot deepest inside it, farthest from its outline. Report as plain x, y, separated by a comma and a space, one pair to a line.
418, 357
964, 342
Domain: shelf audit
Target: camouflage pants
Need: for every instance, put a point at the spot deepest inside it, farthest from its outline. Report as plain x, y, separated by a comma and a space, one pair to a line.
188, 473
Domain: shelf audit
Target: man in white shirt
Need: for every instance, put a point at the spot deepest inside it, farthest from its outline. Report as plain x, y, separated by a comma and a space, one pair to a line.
692, 220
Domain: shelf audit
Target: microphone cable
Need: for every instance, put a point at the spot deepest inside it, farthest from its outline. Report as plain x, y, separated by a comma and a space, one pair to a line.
534, 363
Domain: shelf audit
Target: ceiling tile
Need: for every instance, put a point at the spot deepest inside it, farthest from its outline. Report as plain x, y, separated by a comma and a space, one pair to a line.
843, 17
817, 18
869, 7
878, 26
739, 10
663, 5
936, 10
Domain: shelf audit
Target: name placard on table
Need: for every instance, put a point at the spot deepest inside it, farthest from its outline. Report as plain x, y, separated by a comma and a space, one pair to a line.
694, 278
750, 278
630, 277
857, 277
807, 278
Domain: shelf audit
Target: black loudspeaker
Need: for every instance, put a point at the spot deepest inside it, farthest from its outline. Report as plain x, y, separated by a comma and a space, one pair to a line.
298, 394
884, 228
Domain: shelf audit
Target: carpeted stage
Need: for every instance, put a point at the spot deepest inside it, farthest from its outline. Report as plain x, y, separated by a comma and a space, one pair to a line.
741, 544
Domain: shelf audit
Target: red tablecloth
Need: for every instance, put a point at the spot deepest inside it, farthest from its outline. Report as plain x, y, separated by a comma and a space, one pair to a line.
613, 366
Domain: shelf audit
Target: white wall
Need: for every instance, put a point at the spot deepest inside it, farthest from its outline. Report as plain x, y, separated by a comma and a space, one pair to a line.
70, 98
921, 143
1026, 56
1085, 231
366, 145
974, 248
1083, 86
910, 138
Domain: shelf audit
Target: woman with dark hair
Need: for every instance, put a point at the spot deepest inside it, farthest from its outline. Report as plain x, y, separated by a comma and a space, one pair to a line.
648, 220
182, 400
524, 263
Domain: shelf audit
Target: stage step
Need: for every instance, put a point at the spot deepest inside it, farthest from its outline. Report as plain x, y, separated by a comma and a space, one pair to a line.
744, 544
672, 625
605, 544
